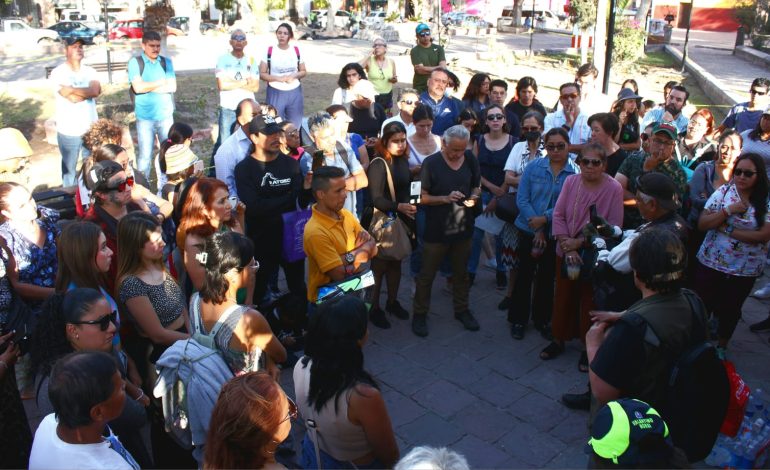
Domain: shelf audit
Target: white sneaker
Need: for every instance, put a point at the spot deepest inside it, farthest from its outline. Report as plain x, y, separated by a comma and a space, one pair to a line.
762, 293
491, 263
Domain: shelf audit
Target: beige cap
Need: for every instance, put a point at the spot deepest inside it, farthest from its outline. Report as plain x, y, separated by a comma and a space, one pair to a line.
179, 158
13, 144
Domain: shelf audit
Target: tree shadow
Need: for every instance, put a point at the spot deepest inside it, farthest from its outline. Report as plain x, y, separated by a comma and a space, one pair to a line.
20, 114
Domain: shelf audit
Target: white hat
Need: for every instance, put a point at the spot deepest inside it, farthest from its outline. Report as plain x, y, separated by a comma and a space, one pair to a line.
364, 89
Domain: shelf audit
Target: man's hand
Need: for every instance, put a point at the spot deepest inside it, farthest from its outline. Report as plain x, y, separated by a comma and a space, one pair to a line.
490, 209
456, 196
570, 114
362, 238
605, 316
308, 180
408, 210
596, 334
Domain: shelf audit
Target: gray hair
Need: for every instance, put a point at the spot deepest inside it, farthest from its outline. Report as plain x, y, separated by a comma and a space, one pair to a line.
318, 121
407, 91
534, 115
426, 458
456, 132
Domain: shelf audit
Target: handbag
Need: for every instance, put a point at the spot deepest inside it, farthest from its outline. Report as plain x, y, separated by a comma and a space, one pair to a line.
507, 209
293, 232
388, 230
19, 317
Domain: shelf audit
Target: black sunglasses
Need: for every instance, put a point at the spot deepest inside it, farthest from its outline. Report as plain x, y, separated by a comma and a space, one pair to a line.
409, 102
103, 322
742, 172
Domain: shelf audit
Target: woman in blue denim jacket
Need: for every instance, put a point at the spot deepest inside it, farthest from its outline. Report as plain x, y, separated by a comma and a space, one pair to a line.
539, 189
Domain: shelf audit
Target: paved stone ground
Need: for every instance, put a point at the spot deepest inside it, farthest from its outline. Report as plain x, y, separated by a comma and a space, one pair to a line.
490, 397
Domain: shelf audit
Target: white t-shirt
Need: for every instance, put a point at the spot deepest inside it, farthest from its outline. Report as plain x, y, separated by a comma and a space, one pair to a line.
50, 453
73, 119
282, 63
229, 66
341, 96
410, 129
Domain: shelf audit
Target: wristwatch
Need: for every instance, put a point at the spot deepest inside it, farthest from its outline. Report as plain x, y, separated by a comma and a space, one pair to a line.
350, 257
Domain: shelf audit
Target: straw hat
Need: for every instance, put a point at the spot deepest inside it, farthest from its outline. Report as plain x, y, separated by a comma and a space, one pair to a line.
179, 158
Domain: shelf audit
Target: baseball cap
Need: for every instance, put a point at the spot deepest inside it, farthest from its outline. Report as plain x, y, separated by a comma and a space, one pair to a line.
179, 158
99, 175
661, 187
421, 28
365, 89
264, 124
623, 430
628, 94
71, 40
666, 128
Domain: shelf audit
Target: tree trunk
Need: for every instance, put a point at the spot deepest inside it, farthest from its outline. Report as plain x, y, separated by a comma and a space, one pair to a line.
641, 13
195, 19
584, 47
600, 36
518, 6
293, 13
48, 13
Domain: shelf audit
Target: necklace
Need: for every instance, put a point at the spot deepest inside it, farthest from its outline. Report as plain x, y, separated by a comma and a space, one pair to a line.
377, 61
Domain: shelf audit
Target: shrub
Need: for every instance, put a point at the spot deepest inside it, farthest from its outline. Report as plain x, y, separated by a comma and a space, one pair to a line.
583, 13
629, 42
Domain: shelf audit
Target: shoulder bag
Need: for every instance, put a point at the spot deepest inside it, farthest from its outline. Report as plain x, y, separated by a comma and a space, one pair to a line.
388, 230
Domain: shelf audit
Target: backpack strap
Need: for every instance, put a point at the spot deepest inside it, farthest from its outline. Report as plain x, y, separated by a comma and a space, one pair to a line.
389, 175
344, 155
223, 318
196, 319
296, 51
269, 56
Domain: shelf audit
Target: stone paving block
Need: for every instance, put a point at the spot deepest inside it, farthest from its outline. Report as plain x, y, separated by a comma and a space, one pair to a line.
402, 409
573, 428
462, 371
378, 360
512, 365
530, 447
428, 354
550, 382
573, 456
443, 398
497, 390
485, 421
479, 453
408, 378
430, 430
540, 411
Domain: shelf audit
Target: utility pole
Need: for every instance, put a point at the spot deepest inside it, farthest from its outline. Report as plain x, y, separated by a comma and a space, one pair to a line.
687, 34
610, 46
600, 35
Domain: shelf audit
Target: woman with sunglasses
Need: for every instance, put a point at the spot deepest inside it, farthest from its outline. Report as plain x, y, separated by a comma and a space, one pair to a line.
476, 94
693, 146
333, 389
83, 320
757, 140
241, 334
251, 418
574, 293
492, 150
733, 253
382, 74
539, 188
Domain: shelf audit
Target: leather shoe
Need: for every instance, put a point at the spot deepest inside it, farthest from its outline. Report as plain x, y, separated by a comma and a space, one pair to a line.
377, 317
420, 325
397, 310
517, 331
577, 401
466, 318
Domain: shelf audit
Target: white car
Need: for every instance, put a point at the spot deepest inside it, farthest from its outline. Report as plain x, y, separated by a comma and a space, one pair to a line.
341, 19
375, 17
274, 22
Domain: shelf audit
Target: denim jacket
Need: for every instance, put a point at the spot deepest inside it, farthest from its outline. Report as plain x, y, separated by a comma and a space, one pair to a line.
539, 190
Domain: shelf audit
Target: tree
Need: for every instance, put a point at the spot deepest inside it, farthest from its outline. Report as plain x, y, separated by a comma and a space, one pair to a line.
156, 17
518, 6
641, 13
583, 13
223, 6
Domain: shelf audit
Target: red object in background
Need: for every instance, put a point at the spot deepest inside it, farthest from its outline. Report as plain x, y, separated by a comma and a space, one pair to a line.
739, 397
577, 41
127, 29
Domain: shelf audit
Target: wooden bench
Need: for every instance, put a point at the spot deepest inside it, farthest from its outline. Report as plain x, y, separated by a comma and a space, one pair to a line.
98, 66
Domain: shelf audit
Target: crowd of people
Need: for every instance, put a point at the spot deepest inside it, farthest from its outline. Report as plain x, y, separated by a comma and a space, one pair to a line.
589, 213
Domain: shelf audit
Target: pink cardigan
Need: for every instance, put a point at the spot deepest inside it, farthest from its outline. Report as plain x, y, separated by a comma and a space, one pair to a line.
571, 212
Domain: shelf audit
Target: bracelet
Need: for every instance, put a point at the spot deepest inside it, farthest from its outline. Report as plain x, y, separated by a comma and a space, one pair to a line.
141, 395
4, 364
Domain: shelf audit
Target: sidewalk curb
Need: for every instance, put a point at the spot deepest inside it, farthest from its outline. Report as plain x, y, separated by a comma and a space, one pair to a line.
752, 55
708, 82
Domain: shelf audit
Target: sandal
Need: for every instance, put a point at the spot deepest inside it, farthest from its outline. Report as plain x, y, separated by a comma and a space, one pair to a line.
551, 351
583, 362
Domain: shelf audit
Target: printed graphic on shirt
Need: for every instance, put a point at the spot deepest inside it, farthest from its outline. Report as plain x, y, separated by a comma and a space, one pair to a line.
273, 182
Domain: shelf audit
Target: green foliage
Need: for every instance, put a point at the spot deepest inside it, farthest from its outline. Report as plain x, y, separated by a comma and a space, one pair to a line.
745, 12
392, 17
583, 13
628, 43
223, 5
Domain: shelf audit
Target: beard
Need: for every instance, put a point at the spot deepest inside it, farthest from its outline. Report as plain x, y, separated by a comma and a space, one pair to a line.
673, 109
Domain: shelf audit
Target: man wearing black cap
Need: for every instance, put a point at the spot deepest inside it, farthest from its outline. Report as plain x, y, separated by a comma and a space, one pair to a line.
75, 87
270, 184
660, 158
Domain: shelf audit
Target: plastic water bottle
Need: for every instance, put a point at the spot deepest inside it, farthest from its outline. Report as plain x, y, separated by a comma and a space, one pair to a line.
720, 455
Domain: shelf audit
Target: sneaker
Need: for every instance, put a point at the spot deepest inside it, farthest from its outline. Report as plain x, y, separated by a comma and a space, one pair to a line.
420, 325
577, 401
761, 326
397, 310
504, 304
468, 321
502, 280
377, 317
517, 331
491, 264
762, 293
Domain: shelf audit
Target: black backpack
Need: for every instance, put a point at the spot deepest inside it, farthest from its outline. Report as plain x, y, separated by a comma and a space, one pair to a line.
698, 390
140, 62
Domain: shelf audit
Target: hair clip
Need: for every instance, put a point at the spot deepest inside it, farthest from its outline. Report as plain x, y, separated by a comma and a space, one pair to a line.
202, 257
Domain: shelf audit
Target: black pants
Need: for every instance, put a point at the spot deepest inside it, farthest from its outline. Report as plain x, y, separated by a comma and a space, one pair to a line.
541, 271
269, 263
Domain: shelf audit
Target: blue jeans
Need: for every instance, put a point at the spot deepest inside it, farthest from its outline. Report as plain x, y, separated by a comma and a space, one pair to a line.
478, 240
289, 104
145, 133
70, 148
226, 121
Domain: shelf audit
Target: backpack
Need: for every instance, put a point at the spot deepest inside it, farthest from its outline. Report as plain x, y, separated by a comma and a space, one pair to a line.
270, 55
697, 394
140, 62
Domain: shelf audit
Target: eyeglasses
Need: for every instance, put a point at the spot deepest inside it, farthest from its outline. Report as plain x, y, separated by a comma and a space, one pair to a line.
746, 173
238, 37
128, 183
293, 133
530, 129
380, 45
495, 117
293, 412
590, 162
103, 322
409, 102
758, 93
554, 147
667, 143
425, 34
567, 96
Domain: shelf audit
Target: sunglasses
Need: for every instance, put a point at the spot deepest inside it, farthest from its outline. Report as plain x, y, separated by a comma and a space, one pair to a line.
293, 412
103, 322
495, 117
590, 162
409, 102
758, 93
566, 96
238, 38
427, 33
128, 183
553, 147
746, 173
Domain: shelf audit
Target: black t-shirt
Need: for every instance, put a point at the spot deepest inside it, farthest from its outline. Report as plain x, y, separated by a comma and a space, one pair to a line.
614, 161
446, 223
629, 133
269, 189
492, 162
364, 124
520, 110
378, 183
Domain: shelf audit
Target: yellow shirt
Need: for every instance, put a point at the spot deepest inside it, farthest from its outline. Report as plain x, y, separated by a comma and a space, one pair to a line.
325, 241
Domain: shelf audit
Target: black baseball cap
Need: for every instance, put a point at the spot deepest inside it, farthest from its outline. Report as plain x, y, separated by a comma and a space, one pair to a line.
264, 124
661, 187
71, 41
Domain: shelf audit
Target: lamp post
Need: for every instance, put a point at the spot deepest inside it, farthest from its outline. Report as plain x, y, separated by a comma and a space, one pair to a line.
687, 34
610, 45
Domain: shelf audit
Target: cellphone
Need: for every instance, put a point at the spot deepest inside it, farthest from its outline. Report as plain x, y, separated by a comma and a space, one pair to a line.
233, 202
414, 192
592, 210
198, 166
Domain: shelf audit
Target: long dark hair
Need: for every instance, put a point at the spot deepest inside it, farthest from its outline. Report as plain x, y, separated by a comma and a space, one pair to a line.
473, 90
332, 343
381, 147
177, 134
342, 81
757, 131
224, 251
759, 192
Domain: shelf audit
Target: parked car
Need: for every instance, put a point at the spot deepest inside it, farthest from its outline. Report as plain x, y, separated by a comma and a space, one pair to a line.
453, 18
543, 19
274, 21
127, 29
93, 21
475, 22
16, 31
342, 18
180, 26
75, 29
374, 17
